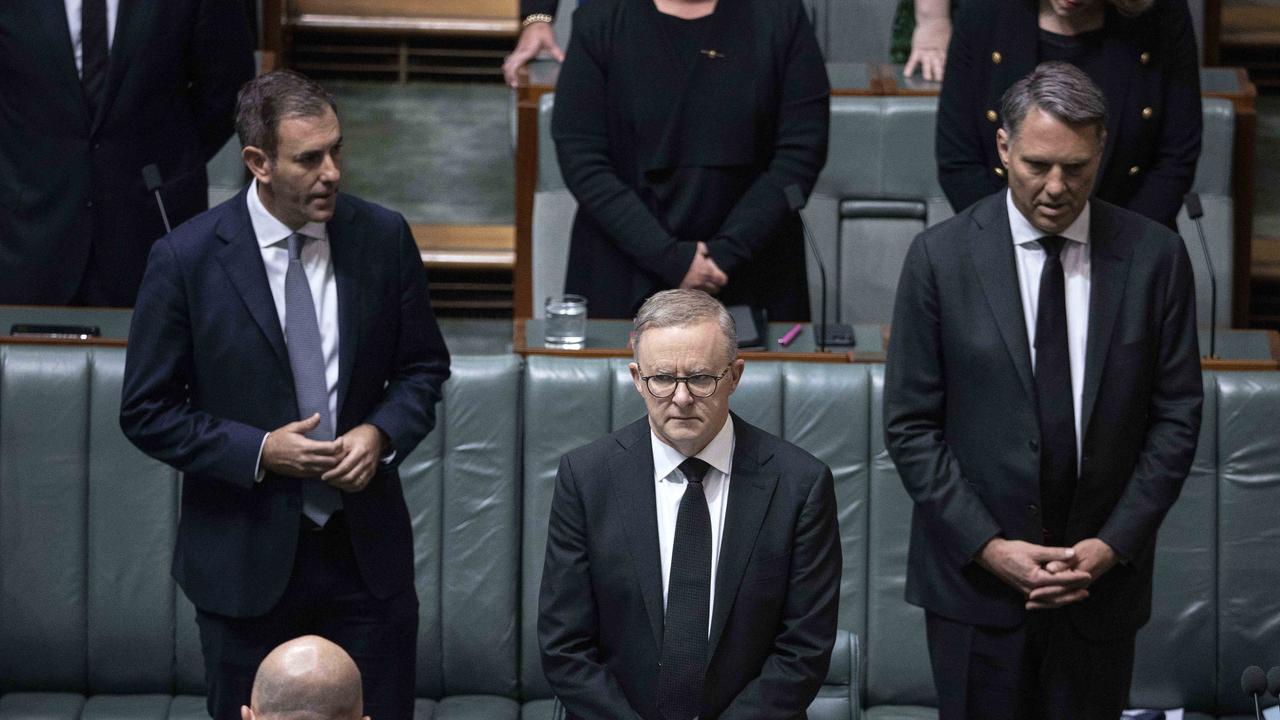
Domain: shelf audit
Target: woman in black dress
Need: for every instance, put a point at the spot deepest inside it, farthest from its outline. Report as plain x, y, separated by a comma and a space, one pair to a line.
1142, 53
682, 128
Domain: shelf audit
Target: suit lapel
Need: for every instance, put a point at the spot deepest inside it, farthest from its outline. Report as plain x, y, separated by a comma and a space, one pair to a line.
132, 22
346, 248
61, 54
632, 472
992, 253
1109, 270
241, 258
751, 487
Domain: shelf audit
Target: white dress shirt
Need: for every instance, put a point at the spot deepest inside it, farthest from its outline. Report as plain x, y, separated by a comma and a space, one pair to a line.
1076, 269
272, 240
669, 487
73, 24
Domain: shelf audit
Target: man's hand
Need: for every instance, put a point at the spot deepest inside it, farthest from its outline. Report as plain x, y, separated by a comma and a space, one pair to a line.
1092, 556
365, 445
929, 48
288, 451
1026, 568
703, 273
534, 39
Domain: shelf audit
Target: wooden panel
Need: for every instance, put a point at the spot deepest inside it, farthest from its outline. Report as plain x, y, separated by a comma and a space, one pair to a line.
478, 247
499, 9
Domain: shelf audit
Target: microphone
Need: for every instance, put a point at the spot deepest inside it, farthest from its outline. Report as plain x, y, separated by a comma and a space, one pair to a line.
1195, 212
825, 334
1273, 681
1254, 682
151, 176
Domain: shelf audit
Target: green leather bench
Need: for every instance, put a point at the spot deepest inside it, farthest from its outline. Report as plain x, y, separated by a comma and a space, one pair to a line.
92, 627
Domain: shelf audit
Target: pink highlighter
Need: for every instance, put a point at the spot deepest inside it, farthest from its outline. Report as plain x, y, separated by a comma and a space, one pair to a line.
791, 334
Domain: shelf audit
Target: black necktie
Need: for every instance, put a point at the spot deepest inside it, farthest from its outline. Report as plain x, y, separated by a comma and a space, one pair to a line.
93, 52
1053, 396
684, 633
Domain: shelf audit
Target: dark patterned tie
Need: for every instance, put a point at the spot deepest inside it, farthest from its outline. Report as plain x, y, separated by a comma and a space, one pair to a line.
93, 52
684, 631
1054, 397
306, 359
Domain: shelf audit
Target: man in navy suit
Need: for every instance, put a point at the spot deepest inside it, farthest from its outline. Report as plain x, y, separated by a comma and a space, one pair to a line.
284, 356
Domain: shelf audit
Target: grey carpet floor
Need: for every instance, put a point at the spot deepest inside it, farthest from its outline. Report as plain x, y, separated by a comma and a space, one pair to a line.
436, 152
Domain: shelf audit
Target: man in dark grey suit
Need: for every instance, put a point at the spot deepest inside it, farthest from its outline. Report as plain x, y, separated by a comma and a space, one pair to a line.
1042, 405
647, 521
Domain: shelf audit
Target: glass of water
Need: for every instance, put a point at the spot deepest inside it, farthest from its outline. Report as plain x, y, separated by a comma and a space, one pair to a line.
566, 320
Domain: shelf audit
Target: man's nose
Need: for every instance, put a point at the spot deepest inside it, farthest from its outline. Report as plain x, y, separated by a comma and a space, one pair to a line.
330, 172
1054, 184
682, 396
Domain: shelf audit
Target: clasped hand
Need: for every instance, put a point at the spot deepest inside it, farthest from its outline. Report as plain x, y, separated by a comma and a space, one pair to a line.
1049, 577
347, 462
704, 274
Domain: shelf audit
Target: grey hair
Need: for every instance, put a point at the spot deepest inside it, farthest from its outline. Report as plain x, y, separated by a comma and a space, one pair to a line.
1133, 8
266, 100
681, 308
1059, 89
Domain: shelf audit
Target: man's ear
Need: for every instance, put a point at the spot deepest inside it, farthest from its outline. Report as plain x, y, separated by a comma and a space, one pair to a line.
1002, 146
258, 163
246, 713
735, 371
635, 378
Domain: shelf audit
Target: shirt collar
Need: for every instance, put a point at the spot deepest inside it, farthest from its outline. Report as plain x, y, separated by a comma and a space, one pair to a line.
269, 230
1024, 232
718, 453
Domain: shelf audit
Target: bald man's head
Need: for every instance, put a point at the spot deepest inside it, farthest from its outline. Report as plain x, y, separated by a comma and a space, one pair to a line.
308, 678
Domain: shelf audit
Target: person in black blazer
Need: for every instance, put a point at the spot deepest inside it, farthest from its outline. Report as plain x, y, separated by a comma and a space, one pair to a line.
681, 139
267, 432
1147, 68
1042, 451
623, 632
76, 218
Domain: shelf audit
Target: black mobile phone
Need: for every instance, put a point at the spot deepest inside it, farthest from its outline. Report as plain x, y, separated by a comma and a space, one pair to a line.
75, 332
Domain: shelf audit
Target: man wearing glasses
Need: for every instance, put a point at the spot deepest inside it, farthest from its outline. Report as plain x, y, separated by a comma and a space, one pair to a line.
693, 560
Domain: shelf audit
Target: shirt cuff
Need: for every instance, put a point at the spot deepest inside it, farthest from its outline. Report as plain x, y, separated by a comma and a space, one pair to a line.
258, 472
389, 457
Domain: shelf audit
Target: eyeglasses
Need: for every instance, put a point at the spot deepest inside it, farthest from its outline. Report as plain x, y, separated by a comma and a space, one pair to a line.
699, 386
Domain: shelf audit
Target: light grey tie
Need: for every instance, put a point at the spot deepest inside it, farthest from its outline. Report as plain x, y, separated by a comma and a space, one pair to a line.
306, 358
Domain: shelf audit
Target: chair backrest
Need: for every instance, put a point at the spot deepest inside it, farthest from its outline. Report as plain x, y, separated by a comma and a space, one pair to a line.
553, 211
1213, 184
87, 524
879, 189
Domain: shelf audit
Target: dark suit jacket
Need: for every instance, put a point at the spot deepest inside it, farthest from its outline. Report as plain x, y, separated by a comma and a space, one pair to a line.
1164, 147
960, 415
207, 375
777, 585
662, 150
72, 198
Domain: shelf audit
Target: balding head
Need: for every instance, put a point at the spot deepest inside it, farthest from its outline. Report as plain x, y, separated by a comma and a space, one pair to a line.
308, 678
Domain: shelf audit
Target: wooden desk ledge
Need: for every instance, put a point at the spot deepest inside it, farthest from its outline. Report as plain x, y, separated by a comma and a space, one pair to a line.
470, 247
427, 17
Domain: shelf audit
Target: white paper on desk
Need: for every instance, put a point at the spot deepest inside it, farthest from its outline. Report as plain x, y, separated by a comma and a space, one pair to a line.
1272, 713
1168, 714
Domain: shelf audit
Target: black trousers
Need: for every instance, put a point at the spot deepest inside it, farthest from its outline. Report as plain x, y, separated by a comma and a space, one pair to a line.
327, 597
1041, 670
